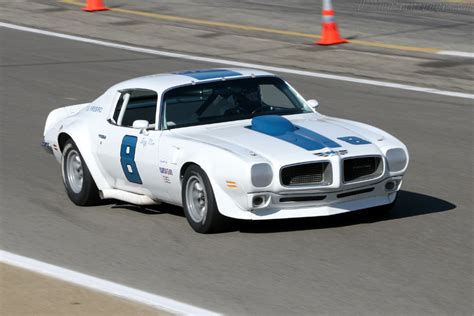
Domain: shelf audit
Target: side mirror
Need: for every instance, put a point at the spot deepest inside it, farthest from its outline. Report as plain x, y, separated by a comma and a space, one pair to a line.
142, 125
313, 104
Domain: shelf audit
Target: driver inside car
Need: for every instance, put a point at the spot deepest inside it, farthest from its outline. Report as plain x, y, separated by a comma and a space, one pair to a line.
246, 101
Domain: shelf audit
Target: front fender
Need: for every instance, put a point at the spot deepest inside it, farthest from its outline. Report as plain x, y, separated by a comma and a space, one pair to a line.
385, 141
228, 172
229, 175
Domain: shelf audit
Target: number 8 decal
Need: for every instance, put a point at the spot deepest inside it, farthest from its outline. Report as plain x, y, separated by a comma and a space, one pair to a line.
127, 159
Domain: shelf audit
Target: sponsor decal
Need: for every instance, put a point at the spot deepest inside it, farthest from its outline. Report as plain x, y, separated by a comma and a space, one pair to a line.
166, 174
167, 171
94, 108
147, 141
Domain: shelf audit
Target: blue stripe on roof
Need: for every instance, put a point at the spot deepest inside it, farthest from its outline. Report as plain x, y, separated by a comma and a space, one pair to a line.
281, 128
208, 73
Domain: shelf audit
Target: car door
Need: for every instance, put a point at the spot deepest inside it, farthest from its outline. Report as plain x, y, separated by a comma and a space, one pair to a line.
130, 155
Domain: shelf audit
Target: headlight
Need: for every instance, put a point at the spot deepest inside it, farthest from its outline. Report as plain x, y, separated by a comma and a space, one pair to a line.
397, 159
262, 175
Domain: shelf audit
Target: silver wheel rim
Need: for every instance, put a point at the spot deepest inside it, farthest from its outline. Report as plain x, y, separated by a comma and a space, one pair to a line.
196, 199
74, 171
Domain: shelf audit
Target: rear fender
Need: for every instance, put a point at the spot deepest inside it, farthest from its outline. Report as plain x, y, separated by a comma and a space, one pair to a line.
60, 114
82, 137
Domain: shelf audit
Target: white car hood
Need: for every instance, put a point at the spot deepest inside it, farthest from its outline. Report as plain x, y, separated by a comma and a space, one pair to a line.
322, 137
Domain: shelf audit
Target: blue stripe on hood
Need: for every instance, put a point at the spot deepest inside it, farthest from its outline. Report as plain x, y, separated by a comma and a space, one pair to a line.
281, 128
354, 140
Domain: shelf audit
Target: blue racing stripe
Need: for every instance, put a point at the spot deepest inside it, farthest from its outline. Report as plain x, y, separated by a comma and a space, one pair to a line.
316, 138
208, 73
354, 140
281, 128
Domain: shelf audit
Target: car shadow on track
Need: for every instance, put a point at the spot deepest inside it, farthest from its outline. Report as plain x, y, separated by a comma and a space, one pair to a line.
150, 210
408, 204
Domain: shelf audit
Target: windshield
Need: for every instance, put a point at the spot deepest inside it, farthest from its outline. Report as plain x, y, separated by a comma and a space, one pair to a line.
229, 100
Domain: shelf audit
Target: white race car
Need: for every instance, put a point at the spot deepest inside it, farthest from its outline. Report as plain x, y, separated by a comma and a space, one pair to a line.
222, 143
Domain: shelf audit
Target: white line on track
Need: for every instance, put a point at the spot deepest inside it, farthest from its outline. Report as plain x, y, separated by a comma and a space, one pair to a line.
104, 286
456, 53
239, 64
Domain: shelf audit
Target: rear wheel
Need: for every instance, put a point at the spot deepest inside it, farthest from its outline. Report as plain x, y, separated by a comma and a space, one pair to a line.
80, 185
199, 203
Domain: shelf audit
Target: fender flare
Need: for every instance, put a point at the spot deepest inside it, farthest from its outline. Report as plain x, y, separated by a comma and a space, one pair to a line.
81, 138
227, 204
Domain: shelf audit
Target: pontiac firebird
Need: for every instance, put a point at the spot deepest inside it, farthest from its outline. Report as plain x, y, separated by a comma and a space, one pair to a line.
223, 144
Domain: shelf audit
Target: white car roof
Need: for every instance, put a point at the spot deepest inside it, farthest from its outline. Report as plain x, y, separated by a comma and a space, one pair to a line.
164, 81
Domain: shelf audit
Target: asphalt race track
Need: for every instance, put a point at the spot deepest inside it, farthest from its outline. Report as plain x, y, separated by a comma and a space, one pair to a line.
416, 261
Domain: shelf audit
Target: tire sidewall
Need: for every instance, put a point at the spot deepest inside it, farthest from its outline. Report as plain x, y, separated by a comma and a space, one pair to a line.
204, 226
89, 189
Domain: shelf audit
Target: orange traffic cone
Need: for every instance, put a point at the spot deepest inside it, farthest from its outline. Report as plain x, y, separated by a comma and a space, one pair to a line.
329, 33
95, 5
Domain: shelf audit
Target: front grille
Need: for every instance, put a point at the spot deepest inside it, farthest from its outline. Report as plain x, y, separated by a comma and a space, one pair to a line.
363, 168
309, 173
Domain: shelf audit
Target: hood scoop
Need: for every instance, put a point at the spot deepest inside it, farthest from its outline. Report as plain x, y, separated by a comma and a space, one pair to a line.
281, 128
273, 125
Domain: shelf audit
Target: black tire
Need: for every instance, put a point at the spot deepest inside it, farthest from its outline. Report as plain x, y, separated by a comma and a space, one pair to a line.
213, 221
86, 193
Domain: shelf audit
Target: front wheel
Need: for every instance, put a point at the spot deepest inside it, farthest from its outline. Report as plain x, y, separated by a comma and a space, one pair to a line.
199, 203
80, 186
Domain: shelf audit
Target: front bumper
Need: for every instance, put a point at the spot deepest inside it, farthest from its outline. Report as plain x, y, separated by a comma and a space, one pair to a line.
310, 204
47, 147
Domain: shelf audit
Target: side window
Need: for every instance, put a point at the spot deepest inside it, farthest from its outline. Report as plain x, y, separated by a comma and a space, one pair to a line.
272, 96
118, 107
141, 105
